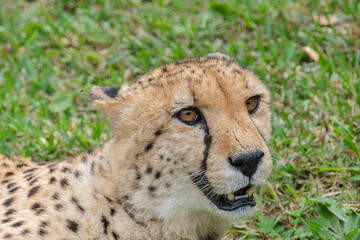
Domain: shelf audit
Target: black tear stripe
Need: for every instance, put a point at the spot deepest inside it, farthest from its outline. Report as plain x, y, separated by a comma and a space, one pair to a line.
207, 141
200, 180
112, 91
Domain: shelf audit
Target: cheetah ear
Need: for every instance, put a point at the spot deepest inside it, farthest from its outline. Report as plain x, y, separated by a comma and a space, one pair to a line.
101, 93
105, 98
218, 55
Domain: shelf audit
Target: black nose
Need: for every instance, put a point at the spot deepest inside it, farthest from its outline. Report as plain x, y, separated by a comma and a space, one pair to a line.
247, 162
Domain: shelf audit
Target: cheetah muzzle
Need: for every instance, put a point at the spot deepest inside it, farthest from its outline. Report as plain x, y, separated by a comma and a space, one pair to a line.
189, 147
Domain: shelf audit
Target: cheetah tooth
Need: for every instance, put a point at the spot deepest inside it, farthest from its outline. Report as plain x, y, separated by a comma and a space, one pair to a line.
231, 196
250, 191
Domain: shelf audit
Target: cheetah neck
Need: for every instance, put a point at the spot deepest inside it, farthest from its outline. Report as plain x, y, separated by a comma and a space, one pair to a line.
157, 213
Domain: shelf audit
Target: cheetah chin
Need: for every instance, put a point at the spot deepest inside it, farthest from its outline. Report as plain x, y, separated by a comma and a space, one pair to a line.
189, 147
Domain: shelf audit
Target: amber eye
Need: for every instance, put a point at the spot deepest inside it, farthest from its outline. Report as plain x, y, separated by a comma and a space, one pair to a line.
189, 116
252, 104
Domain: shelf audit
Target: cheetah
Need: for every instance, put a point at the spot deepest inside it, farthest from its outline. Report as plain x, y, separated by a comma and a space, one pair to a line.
189, 147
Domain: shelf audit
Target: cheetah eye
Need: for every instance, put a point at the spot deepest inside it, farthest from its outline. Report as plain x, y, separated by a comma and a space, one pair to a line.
252, 104
189, 116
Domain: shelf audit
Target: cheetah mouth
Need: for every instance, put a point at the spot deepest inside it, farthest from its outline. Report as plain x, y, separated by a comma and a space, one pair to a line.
227, 202
232, 201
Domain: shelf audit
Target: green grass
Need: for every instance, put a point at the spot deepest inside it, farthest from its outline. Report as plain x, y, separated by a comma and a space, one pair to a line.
51, 50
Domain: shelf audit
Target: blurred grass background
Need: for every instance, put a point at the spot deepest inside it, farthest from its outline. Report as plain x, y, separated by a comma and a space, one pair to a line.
52, 50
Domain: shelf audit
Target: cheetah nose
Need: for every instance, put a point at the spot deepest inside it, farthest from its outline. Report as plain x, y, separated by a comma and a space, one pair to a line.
247, 162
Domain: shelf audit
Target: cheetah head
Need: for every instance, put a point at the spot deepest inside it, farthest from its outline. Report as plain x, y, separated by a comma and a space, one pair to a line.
192, 135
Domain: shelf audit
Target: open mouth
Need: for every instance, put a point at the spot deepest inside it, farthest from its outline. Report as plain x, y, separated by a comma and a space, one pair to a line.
227, 202
232, 201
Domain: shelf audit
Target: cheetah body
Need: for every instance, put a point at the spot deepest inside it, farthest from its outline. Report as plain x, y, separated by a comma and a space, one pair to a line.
156, 177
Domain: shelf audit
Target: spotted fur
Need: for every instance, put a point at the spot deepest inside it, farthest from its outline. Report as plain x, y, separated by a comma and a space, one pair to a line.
150, 180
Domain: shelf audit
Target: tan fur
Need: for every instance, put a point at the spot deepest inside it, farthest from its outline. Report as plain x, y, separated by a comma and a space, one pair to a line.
140, 184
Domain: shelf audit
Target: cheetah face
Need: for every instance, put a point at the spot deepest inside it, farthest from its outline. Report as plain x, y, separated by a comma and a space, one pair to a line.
235, 156
246, 162
205, 124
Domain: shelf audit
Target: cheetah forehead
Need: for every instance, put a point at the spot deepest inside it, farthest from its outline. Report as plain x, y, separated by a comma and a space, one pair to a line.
189, 70
208, 75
